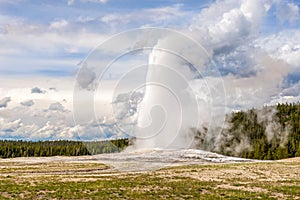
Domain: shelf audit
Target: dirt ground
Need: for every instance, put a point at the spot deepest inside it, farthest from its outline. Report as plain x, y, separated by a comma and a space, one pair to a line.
272, 180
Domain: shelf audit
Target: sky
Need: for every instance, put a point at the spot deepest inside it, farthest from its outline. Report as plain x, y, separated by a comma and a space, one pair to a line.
44, 46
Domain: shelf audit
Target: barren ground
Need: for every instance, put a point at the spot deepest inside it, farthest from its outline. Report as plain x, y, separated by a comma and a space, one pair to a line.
87, 178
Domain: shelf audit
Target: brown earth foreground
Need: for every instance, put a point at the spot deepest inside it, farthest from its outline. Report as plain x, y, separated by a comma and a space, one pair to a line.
93, 180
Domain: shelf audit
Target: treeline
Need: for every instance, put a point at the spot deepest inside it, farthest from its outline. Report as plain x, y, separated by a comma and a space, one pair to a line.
272, 132
11, 149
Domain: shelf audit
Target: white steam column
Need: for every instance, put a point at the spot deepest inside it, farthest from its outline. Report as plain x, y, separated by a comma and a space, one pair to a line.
168, 108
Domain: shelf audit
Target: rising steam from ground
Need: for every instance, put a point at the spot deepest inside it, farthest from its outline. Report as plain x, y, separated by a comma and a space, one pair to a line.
176, 99
234, 139
217, 136
170, 106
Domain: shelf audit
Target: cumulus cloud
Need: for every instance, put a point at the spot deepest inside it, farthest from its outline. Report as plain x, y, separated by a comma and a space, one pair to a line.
284, 45
9, 126
56, 107
27, 103
37, 90
4, 102
249, 62
228, 24
58, 129
58, 24
125, 109
86, 78
36, 124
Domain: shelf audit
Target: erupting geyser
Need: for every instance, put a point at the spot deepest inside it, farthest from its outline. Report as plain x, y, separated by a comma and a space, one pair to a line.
169, 107
177, 97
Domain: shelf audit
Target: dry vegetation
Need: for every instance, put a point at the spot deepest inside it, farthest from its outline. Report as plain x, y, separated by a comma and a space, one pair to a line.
88, 180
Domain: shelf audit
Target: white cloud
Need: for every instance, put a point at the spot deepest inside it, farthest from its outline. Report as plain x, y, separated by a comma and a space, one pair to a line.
284, 45
58, 24
57, 107
86, 78
125, 107
231, 29
47, 116
4, 102
9, 126
6, 20
38, 49
27, 103
70, 2
37, 90
147, 16
228, 24
85, 19
23, 39
112, 17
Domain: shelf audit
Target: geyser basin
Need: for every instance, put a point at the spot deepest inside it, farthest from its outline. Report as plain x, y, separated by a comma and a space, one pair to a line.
153, 159
142, 160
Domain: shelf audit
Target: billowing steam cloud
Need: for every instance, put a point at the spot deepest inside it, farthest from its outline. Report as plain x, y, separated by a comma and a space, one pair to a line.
162, 111
234, 139
170, 106
226, 29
